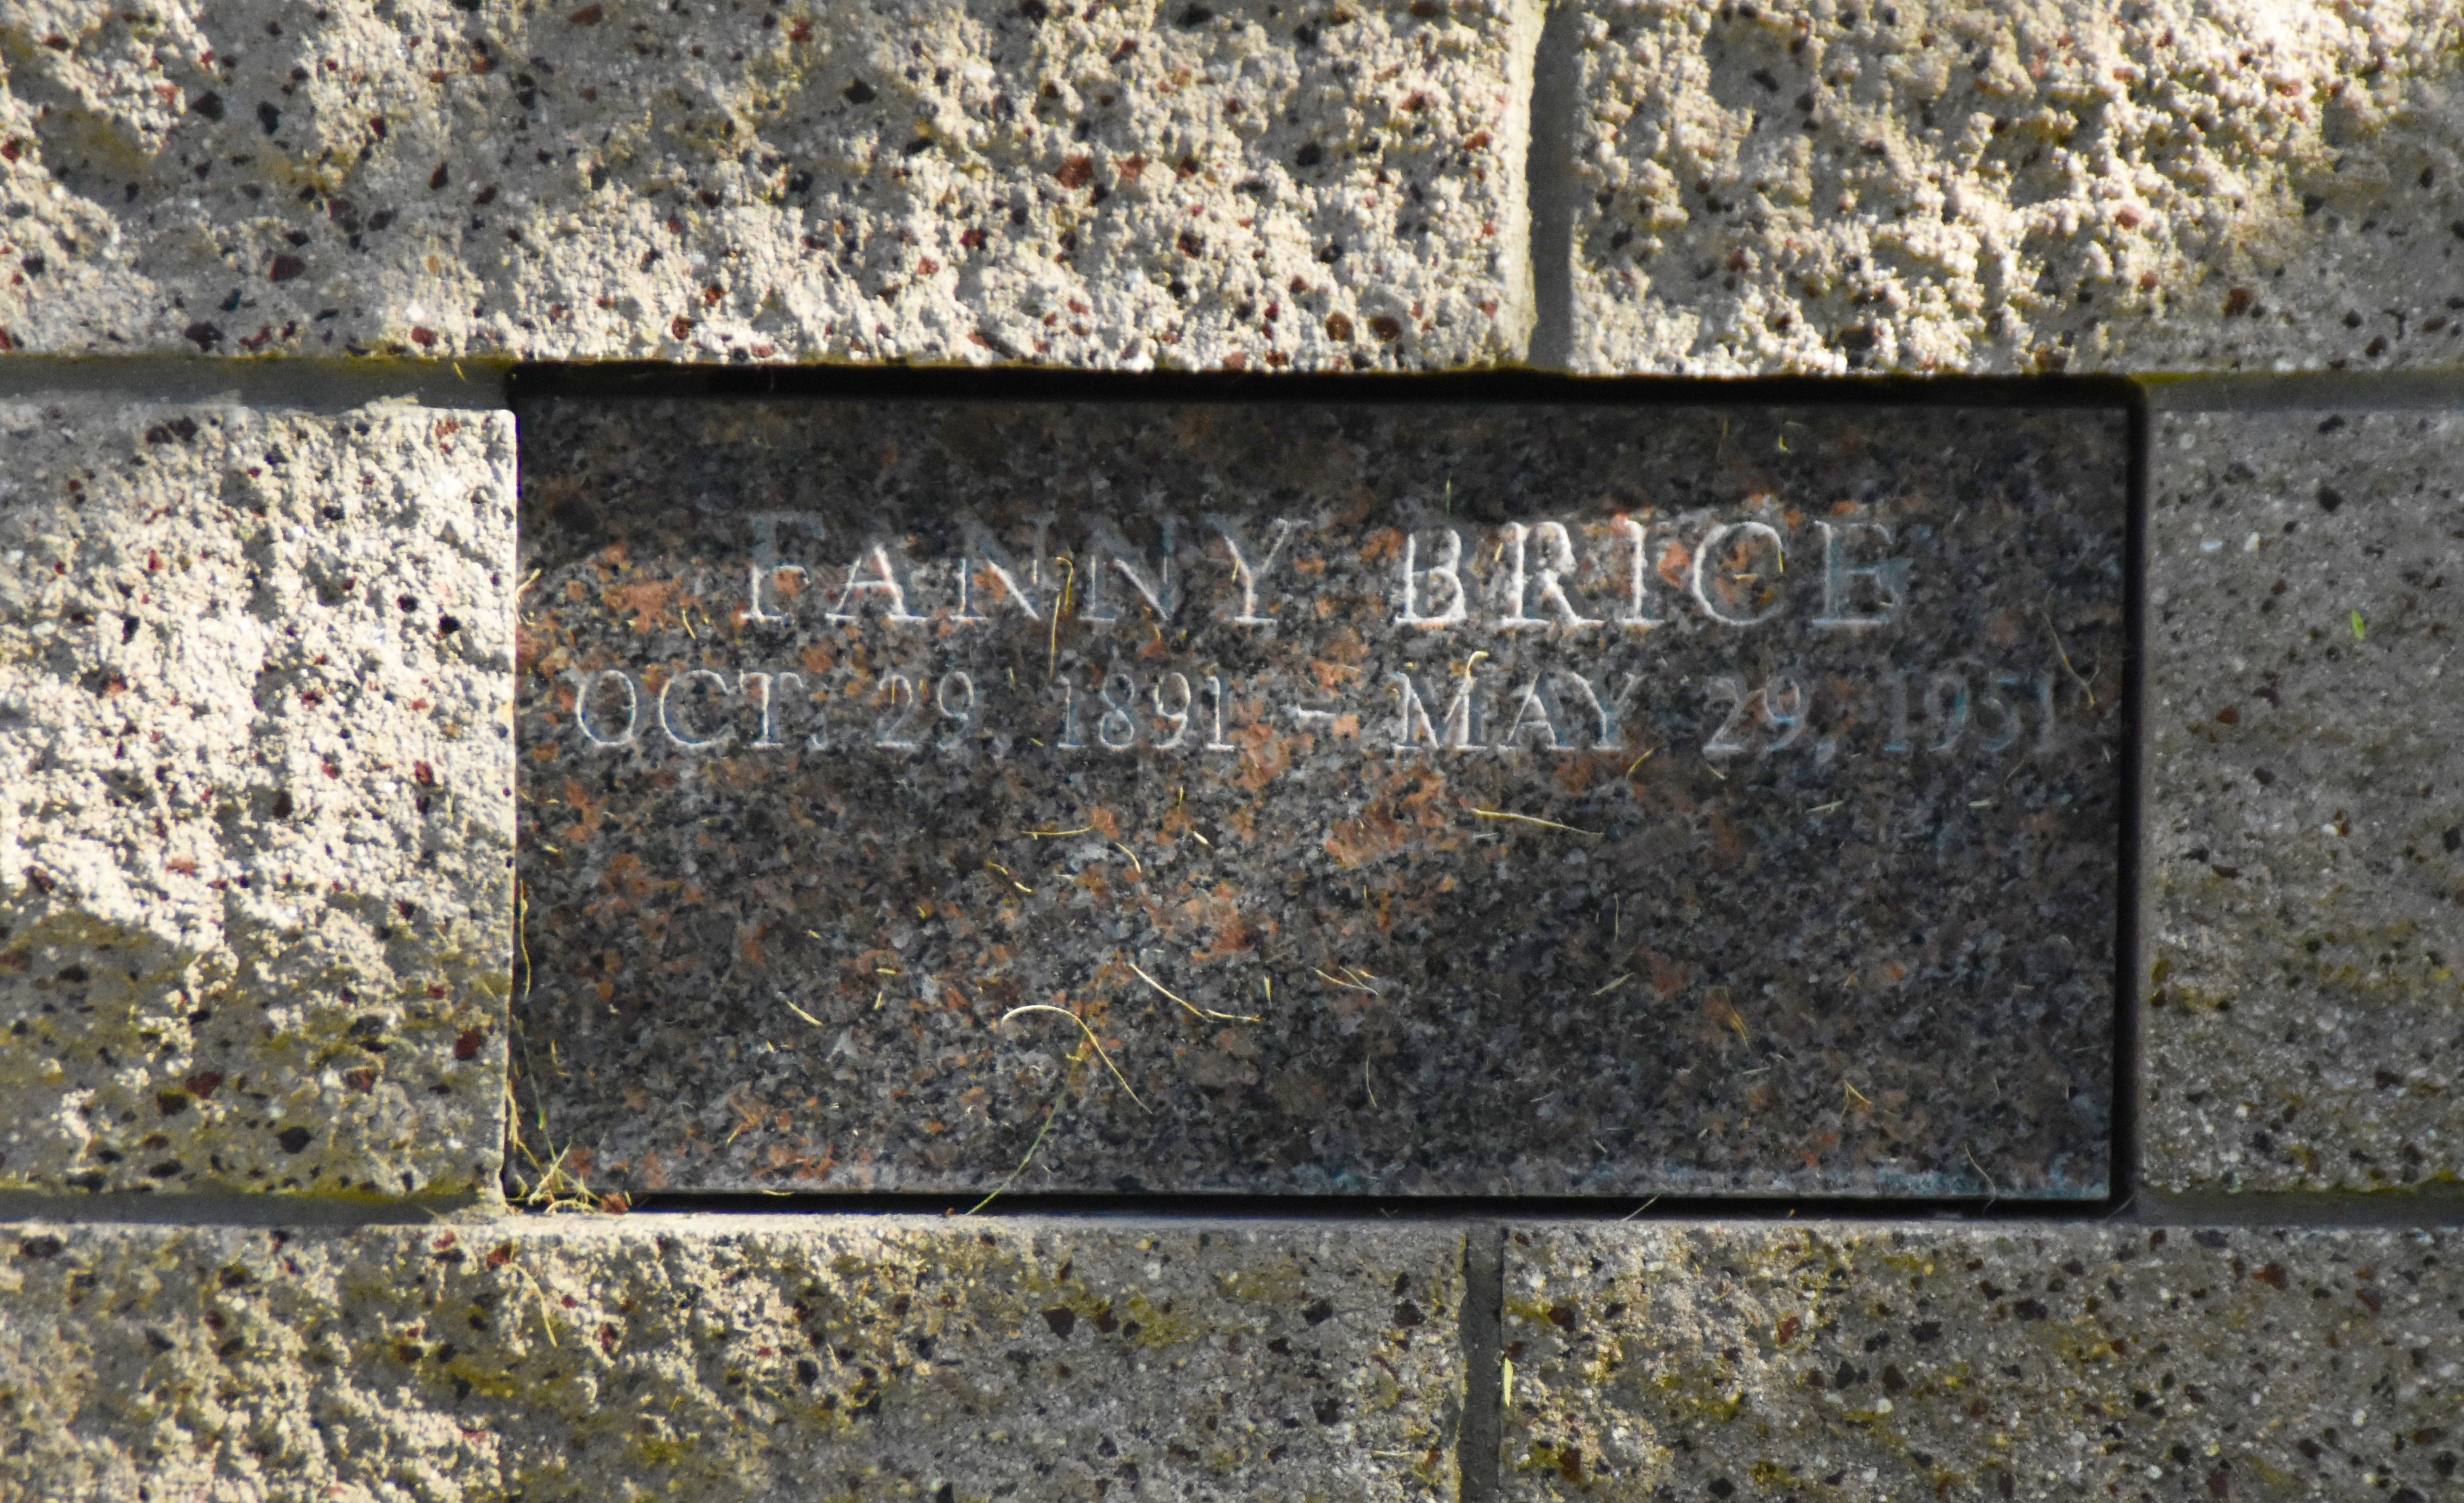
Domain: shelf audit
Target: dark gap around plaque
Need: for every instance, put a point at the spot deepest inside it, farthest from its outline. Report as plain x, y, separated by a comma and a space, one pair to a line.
667, 879
2130, 956
1432, 1209
528, 385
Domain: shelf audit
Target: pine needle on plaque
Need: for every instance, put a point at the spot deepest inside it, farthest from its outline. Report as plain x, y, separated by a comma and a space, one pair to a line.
1534, 819
1052, 646
522, 937
551, 1186
2063, 652
1192, 1009
1337, 980
1992, 1192
1050, 1113
1095, 1042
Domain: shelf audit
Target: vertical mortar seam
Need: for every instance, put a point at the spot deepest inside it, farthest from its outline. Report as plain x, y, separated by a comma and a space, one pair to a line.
1548, 179
1479, 1435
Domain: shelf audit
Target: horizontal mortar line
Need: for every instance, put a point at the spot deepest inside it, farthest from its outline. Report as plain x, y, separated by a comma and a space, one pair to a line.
322, 385
137, 1208
2306, 1212
2428, 1207
2351, 391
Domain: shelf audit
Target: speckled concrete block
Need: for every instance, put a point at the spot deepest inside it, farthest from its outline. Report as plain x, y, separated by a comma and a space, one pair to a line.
1859, 1363
2015, 186
254, 844
752, 1359
2305, 1019
1230, 184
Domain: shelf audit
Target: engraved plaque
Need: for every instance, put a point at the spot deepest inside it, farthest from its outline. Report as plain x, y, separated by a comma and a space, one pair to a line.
1325, 798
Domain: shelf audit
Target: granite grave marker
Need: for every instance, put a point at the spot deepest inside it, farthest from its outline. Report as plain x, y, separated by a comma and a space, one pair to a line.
1279, 797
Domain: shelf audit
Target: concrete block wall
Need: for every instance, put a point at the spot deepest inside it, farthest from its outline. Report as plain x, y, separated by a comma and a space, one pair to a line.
264, 270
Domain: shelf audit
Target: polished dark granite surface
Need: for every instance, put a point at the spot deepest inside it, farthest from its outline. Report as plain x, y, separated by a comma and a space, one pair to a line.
1408, 799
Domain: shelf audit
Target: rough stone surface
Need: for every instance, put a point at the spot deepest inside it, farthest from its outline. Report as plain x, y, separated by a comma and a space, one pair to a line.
2305, 1019
1663, 882
758, 1359
1860, 1363
1237, 184
2015, 186
256, 837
